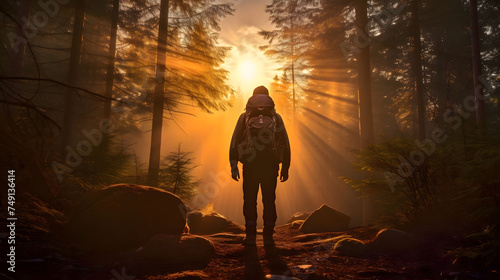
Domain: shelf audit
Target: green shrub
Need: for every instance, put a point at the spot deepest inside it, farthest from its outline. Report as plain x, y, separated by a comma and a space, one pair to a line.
405, 181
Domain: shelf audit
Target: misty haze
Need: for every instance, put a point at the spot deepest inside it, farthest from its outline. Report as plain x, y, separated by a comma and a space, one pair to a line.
250, 139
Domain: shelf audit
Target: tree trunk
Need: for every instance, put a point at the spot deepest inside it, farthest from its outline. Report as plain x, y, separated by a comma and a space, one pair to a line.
155, 152
111, 59
364, 80
477, 72
416, 66
364, 97
73, 74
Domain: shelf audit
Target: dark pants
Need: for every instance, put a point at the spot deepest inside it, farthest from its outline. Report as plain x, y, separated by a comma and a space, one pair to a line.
265, 176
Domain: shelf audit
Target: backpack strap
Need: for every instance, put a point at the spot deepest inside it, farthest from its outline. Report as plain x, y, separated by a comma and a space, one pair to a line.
247, 132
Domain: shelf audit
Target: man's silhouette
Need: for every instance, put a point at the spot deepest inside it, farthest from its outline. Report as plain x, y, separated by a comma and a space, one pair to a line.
260, 142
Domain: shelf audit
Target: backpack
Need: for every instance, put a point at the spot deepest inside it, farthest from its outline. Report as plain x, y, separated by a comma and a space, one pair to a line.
260, 130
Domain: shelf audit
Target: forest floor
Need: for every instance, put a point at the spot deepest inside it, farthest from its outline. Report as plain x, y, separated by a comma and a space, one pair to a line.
311, 256
303, 256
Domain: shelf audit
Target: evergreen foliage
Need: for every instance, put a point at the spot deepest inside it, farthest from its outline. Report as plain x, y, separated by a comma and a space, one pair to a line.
176, 174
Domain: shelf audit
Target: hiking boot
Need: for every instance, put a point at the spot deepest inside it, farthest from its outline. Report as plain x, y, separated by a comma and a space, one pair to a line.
250, 240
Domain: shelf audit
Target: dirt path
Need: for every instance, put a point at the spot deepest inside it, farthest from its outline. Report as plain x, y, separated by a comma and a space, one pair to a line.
308, 257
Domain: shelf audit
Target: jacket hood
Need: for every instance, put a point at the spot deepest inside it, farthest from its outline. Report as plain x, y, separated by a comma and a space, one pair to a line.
260, 100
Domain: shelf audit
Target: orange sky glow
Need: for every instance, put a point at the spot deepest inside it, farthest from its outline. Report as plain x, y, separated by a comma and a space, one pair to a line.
208, 136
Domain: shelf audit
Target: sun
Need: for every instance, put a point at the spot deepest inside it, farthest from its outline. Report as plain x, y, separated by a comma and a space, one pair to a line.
248, 71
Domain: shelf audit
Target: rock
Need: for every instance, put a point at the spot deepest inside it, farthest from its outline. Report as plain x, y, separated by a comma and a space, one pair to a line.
393, 241
228, 238
168, 249
299, 216
350, 247
122, 217
201, 223
325, 219
297, 223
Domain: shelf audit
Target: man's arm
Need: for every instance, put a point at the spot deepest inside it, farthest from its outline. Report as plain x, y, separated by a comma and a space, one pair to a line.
238, 137
285, 143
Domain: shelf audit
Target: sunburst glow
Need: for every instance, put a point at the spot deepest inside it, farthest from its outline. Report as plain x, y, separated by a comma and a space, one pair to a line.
248, 71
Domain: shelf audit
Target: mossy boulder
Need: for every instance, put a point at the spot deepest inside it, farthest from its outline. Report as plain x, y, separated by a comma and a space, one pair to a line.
122, 217
211, 223
351, 247
325, 219
298, 216
170, 249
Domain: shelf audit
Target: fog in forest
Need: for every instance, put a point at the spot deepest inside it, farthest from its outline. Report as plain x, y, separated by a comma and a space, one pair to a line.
116, 119
321, 135
313, 176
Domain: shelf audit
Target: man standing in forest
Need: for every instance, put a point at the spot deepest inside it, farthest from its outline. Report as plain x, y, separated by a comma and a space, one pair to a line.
260, 142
